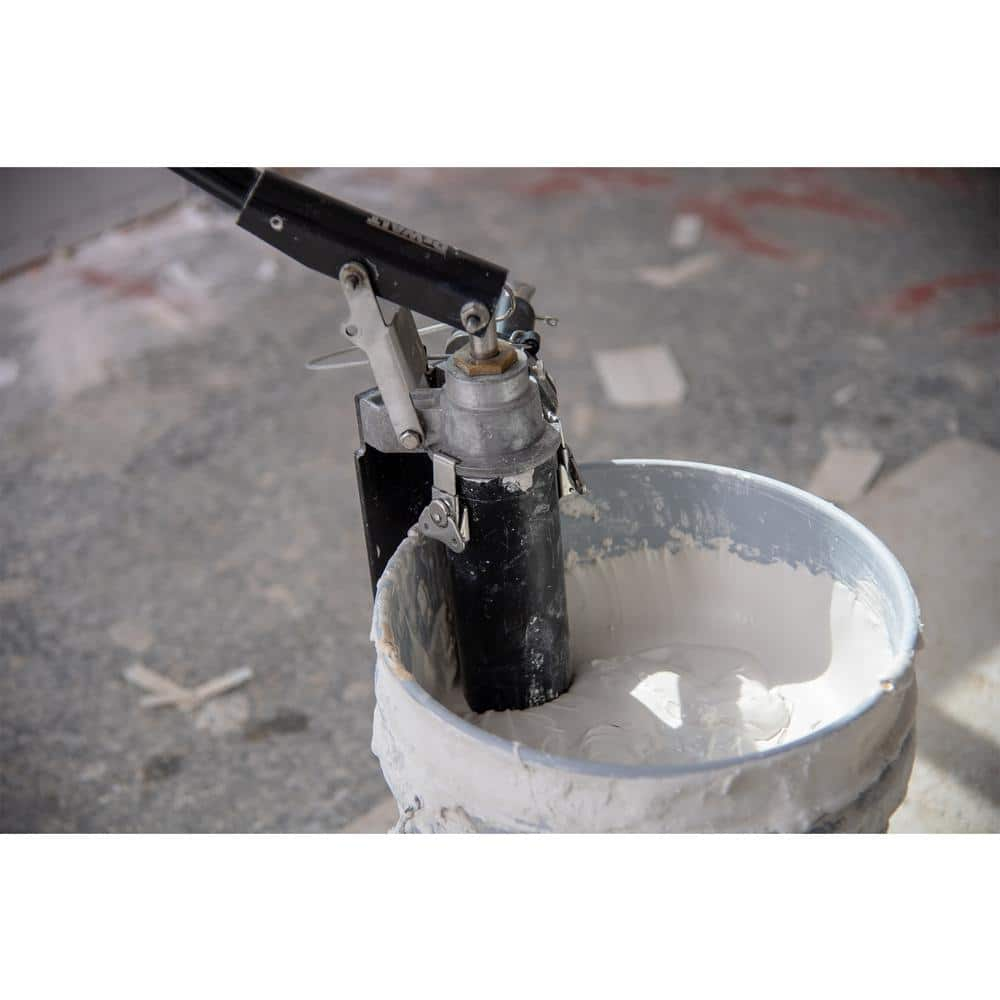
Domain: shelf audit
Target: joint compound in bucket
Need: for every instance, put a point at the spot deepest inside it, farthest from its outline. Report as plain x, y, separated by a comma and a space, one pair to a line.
700, 655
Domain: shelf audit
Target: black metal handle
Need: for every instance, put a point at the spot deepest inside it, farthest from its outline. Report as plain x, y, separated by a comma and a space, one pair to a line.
408, 268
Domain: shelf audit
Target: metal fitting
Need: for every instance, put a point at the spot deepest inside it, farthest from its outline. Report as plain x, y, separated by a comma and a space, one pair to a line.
474, 316
438, 512
351, 275
485, 344
411, 440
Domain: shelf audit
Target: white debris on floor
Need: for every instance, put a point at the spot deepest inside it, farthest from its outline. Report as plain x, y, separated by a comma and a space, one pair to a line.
9, 370
678, 274
845, 394
845, 473
163, 692
685, 231
640, 376
119, 295
938, 514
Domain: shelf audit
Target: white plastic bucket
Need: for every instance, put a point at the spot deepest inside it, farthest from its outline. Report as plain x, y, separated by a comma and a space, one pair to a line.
848, 773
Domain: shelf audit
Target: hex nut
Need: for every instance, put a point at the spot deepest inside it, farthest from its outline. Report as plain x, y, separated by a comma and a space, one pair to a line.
505, 356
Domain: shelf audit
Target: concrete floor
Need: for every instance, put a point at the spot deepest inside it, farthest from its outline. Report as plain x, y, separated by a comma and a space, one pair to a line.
176, 491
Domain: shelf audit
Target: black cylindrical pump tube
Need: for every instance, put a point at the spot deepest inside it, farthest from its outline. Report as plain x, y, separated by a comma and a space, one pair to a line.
510, 593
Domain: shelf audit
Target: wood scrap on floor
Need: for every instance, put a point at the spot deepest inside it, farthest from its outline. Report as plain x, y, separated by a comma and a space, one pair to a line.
678, 274
163, 692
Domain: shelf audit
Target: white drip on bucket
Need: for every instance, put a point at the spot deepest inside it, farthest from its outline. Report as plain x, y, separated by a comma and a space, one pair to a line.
743, 657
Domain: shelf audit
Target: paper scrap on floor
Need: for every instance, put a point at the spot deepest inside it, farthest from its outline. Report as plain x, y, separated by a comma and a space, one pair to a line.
640, 376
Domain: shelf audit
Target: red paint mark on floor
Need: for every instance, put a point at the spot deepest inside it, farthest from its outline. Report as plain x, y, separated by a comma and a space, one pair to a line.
126, 288
988, 328
728, 224
821, 199
726, 216
145, 289
916, 297
553, 185
576, 180
944, 177
797, 173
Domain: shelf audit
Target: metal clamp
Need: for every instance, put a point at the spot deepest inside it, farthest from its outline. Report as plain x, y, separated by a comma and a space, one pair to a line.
570, 480
445, 519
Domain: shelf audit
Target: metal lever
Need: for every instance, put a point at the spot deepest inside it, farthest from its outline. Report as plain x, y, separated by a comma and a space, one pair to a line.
397, 357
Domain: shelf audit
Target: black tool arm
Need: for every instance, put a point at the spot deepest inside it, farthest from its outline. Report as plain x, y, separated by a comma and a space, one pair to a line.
406, 267
231, 185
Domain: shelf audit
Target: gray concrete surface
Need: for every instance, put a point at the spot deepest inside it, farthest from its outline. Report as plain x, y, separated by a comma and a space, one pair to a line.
175, 490
49, 209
